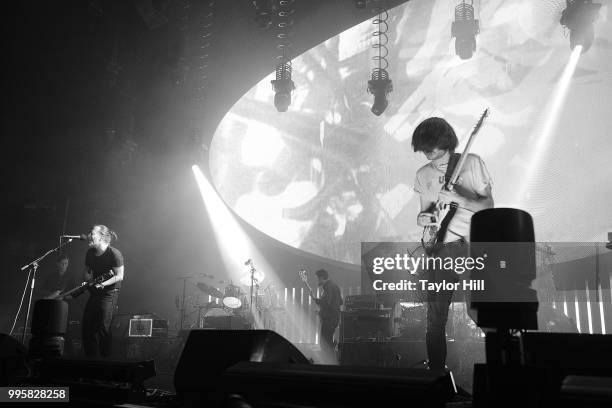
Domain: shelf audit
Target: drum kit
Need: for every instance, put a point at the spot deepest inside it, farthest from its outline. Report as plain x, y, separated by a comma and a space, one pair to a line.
232, 300
227, 301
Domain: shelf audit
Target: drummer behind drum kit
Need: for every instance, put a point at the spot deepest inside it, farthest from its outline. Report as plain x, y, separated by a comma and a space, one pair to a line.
233, 311
233, 304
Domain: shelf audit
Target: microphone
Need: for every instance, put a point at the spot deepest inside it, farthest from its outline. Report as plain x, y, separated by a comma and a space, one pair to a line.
81, 237
248, 262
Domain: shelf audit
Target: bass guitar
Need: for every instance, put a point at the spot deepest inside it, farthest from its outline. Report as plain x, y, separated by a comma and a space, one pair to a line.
433, 235
79, 290
302, 274
304, 277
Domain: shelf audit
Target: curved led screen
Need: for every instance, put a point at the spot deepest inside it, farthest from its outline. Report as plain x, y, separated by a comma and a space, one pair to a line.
328, 174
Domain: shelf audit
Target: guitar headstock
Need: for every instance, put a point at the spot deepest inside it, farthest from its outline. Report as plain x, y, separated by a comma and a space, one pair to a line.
481, 120
302, 274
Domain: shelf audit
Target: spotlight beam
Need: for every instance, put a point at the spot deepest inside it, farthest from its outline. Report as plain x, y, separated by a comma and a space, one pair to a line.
228, 232
544, 136
235, 246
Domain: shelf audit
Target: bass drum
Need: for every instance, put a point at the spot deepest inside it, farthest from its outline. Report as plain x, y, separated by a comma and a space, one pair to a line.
216, 312
232, 302
215, 318
232, 296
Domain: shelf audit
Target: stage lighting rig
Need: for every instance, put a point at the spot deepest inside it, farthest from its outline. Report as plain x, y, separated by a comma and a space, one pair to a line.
464, 29
578, 17
263, 13
380, 85
283, 11
283, 86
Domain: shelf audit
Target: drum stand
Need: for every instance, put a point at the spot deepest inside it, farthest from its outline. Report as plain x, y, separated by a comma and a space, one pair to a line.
200, 323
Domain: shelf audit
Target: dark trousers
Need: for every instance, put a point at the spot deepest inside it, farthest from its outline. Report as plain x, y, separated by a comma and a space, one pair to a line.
326, 336
96, 328
438, 304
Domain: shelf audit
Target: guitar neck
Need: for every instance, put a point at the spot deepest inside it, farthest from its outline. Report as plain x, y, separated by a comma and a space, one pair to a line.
459, 166
305, 280
78, 290
85, 285
455, 175
310, 289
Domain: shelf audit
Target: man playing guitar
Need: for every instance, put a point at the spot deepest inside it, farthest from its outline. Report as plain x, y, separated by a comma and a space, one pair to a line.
329, 310
472, 192
101, 258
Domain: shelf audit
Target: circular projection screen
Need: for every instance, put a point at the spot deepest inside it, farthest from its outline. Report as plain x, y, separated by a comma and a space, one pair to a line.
328, 174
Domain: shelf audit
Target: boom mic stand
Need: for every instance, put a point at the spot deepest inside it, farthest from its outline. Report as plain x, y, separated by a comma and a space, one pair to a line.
252, 282
34, 267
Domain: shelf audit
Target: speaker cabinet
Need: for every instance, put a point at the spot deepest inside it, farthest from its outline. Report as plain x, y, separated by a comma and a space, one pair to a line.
383, 353
98, 380
13, 360
278, 384
208, 353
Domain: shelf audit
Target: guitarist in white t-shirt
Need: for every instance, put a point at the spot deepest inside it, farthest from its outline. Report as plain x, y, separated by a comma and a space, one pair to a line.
472, 192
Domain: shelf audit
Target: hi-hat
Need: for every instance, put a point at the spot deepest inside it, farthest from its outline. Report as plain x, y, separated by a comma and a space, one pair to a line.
246, 278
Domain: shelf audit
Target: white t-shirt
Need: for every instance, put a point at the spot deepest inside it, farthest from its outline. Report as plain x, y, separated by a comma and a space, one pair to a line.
472, 183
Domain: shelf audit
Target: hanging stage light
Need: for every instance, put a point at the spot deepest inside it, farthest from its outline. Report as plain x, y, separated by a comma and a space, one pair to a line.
380, 84
360, 4
464, 29
578, 17
283, 86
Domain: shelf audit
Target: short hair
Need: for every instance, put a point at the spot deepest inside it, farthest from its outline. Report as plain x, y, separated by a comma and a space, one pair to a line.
434, 133
62, 257
107, 234
322, 273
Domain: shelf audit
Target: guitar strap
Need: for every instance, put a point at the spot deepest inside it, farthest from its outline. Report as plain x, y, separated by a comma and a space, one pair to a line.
441, 234
452, 162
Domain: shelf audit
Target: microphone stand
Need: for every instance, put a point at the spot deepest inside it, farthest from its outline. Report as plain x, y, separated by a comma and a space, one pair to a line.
252, 283
34, 267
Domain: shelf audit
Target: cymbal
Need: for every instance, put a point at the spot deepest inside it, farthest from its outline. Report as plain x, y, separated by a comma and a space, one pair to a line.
209, 290
246, 278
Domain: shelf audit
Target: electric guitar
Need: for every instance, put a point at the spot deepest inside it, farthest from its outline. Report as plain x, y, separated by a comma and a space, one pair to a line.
433, 235
79, 290
302, 274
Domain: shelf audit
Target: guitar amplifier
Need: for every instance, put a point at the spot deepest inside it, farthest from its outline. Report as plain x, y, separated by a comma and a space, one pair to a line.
353, 302
140, 328
147, 327
366, 324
